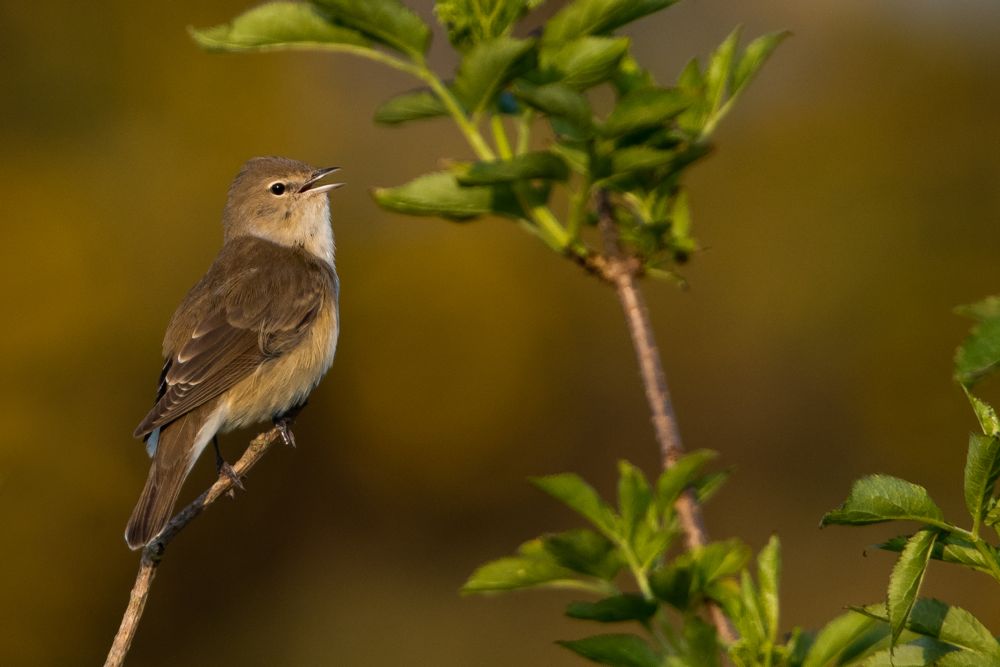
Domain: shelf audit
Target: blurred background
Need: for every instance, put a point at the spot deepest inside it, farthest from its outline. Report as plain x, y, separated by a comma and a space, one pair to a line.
852, 202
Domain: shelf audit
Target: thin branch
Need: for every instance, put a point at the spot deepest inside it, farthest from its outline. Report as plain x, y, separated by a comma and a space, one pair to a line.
153, 552
621, 271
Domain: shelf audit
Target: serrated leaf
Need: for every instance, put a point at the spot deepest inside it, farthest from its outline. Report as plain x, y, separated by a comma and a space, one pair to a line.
878, 498
486, 69
680, 475
950, 548
906, 578
571, 490
625, 607
409, 106
985, 413
754, 57
440, 194
619, 650
586, 61
840, 636
597, 17
768, 575
532, 567
982, 468
387, 22
278, 25
558, 101
644, 108
952, 625
584, 551
979, 354
634, 498
541, 164
916, 654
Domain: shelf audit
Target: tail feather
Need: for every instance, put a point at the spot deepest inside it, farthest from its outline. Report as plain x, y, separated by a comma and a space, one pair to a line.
180, 443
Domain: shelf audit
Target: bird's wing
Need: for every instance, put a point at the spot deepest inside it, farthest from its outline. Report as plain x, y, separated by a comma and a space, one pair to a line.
255, 304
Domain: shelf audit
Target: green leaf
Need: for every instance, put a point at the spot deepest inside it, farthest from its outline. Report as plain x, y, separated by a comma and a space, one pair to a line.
878, 498
439, 193
939, 621
625, 607
982, 468
486, 69
719, 70
750, 620
768, 574
847, 635
754, 57
557, 100
541, 164
906, 578
639, 158
985, 413
692, 575
597, 17
619, 650
951, 548
387, 22
571, 490
680, 475
532, 567
634, 498
585, 62
278, 25
631, 76
702, 643
584, 551
644, 108
470, 22
979, 353
920, 653
410, 106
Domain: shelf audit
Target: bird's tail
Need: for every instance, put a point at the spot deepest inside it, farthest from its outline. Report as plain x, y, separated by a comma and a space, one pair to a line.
179, 445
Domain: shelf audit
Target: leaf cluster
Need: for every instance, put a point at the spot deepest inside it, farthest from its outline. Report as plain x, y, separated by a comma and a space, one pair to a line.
544, 81
929, 632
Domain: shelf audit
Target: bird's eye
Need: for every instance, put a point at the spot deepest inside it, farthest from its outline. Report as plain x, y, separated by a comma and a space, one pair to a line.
277, 189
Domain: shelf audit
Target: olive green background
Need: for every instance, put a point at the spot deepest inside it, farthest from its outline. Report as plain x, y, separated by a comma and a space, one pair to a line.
852, 201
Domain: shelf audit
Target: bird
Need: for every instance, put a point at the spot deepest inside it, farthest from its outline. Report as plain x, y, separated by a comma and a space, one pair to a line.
252, 338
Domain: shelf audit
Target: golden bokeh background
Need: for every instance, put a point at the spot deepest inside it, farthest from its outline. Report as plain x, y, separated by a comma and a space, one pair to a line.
852, 202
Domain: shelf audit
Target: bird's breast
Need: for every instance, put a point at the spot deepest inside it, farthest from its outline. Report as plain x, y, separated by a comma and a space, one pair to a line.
286, 381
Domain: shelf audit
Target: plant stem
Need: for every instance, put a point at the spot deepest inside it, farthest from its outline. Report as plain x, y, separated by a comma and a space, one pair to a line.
500, 137
153, 552
467, 127
622, 273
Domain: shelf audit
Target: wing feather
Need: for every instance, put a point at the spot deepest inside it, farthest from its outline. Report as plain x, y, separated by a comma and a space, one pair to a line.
256, 302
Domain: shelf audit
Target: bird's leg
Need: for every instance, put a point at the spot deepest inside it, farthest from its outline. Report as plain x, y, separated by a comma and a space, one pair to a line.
283, 422
223, 468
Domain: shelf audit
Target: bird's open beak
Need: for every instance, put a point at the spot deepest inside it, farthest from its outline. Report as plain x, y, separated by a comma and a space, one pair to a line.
310, 185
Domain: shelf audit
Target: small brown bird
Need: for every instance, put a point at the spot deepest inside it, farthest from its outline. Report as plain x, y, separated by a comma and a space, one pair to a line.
253, 337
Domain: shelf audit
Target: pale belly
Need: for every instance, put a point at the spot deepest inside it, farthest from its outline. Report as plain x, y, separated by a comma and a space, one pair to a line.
286, 381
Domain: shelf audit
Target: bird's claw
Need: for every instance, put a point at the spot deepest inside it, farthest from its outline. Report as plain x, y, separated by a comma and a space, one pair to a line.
233, 476
285, 429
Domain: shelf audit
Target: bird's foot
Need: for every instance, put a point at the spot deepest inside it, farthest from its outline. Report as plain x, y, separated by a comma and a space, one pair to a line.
234, 477
284, 427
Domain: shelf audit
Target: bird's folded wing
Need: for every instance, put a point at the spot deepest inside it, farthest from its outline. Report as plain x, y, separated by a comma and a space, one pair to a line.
240, 320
